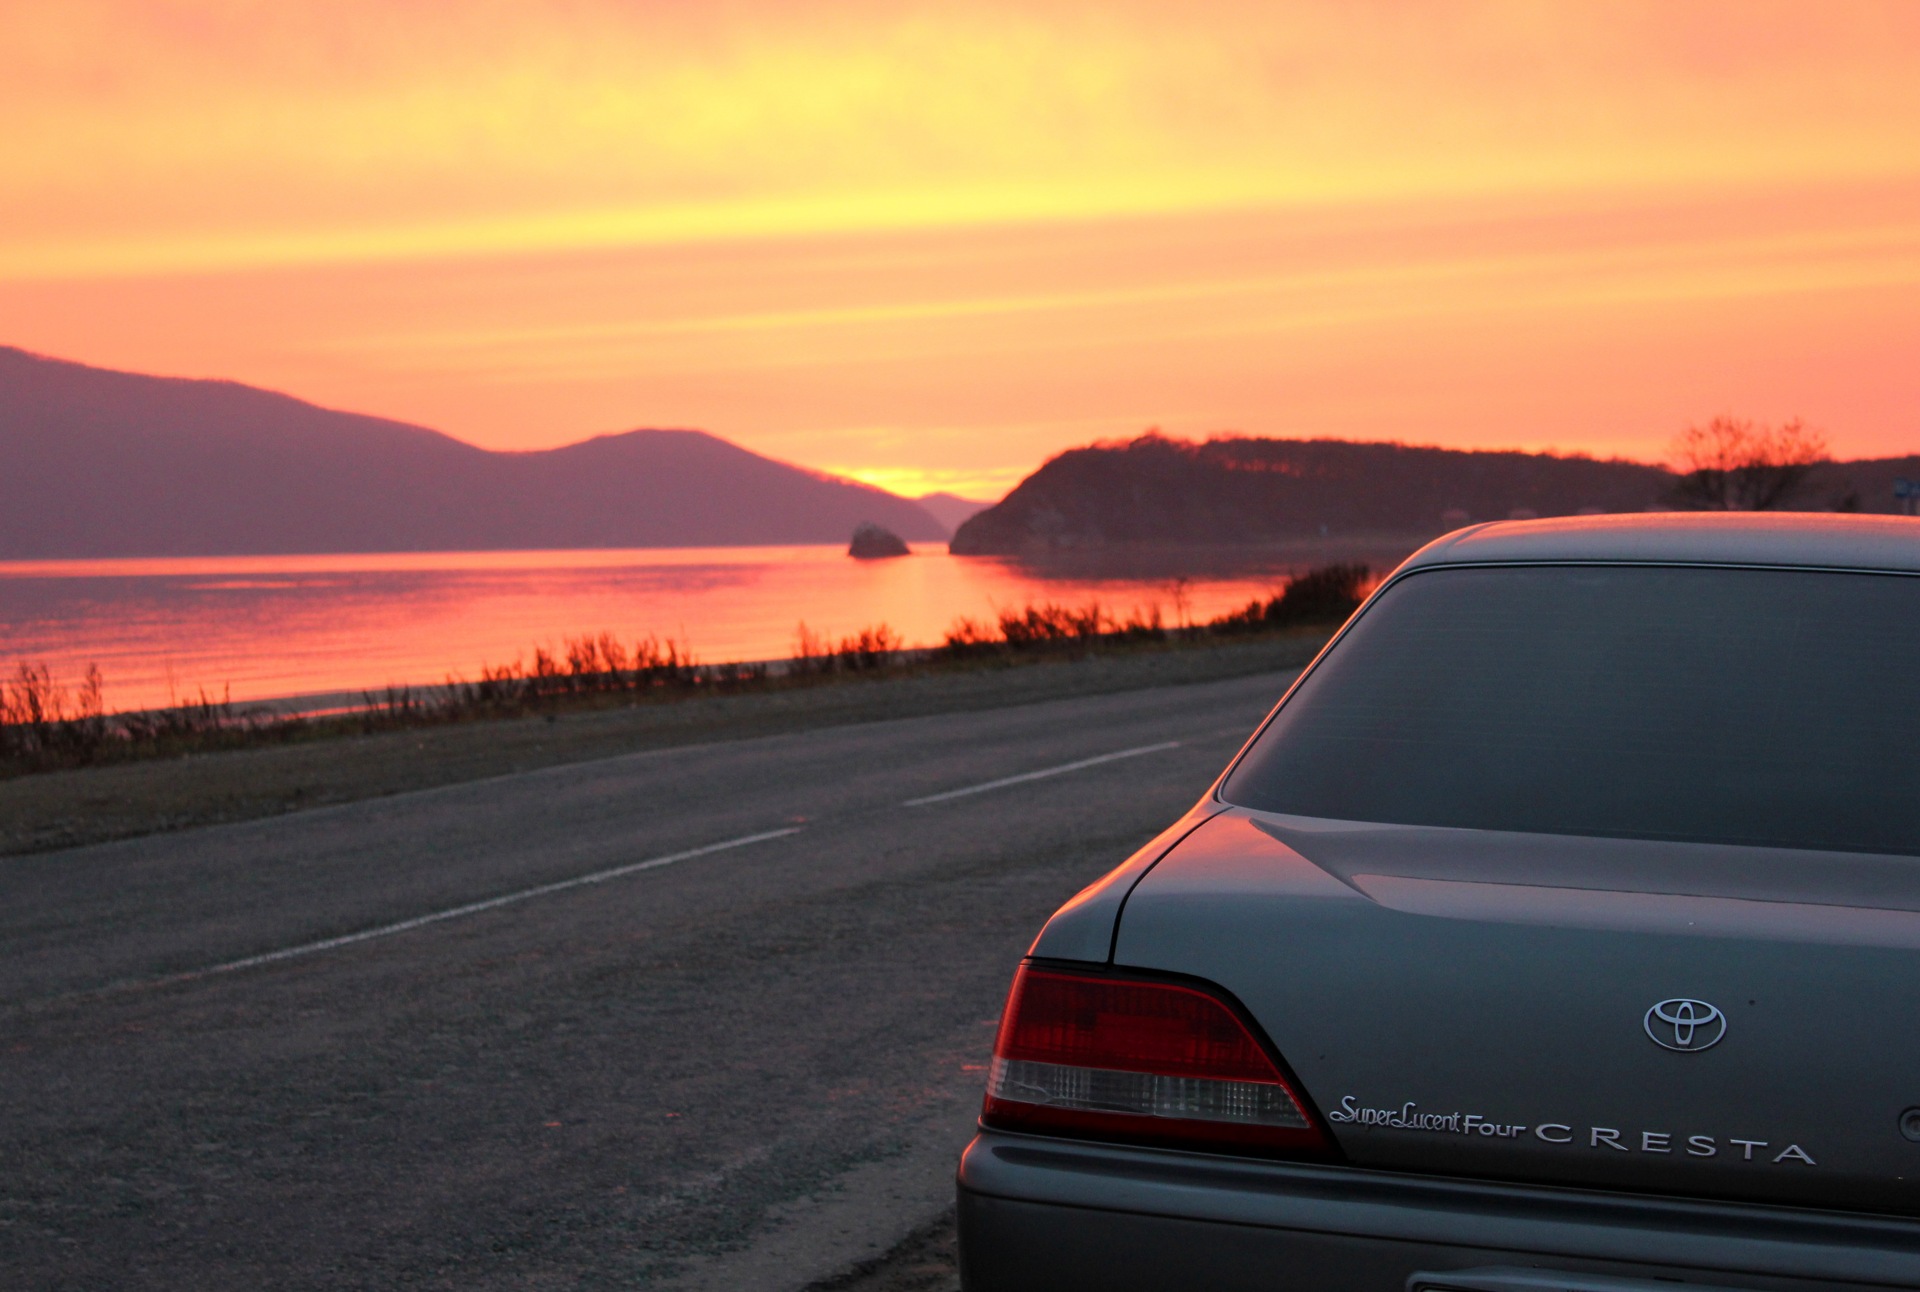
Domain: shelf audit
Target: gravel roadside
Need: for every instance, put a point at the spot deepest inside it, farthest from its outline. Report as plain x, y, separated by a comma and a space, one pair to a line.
928, 1261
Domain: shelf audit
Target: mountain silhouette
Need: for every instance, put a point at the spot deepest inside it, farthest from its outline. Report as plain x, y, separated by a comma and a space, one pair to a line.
1241, 489
101, 463
1238, 489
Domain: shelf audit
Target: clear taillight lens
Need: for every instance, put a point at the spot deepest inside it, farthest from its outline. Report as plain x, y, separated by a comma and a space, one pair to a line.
1140, 1060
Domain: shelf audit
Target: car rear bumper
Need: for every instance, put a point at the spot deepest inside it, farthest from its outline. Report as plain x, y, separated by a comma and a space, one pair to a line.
1040, 1213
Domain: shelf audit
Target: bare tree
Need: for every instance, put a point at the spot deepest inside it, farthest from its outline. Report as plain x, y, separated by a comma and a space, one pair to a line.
1735, 465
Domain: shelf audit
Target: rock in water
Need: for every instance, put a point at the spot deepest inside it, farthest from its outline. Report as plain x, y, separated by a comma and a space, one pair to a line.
871, 542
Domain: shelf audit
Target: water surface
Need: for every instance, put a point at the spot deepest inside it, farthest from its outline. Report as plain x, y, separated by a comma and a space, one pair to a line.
257, 627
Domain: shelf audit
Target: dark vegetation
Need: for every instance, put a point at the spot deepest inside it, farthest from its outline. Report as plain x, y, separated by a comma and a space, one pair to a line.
1735, 465
1235, 489
1241, 490
1326, 595
46, 726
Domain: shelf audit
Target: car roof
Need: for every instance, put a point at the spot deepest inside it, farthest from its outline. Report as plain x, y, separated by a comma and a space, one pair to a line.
1821, 540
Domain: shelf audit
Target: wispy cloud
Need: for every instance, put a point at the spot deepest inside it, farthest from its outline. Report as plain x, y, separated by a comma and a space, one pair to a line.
927, 238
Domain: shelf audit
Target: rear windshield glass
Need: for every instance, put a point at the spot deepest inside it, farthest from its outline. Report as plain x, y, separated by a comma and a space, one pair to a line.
1779, 708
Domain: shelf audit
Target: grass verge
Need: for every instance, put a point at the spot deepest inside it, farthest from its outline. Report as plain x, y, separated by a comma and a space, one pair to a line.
117, 800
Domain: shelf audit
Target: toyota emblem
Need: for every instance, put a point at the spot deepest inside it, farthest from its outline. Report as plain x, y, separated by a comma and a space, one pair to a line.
1685, 1025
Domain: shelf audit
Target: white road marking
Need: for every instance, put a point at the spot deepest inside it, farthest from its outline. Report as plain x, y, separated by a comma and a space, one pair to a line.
474, 908
1042, 774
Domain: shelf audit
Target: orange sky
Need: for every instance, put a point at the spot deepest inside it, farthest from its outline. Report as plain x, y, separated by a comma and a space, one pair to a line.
931, 245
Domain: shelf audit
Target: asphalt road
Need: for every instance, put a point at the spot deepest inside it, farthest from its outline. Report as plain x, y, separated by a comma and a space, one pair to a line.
720, 1019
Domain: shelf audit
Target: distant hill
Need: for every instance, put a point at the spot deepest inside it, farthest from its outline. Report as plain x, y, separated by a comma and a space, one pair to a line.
1239, 490
951, 510
1871, 481
102, 463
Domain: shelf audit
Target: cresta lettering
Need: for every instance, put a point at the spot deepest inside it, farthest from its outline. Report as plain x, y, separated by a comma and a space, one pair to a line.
1409, 1116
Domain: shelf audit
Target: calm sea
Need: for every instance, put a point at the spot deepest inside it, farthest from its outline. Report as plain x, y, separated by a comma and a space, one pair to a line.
262, 627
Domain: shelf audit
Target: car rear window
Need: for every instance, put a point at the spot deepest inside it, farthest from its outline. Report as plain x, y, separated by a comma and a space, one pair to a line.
1770, 707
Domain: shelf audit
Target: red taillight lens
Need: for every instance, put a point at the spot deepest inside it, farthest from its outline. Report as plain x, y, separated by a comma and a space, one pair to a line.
1134, 1059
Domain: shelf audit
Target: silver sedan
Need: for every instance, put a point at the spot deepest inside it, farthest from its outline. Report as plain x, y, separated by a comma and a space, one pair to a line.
1560, 929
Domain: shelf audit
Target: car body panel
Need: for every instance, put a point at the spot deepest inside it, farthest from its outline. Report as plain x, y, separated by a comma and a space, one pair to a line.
1519, 1020
1045, 1213
1083, 928
1800, 539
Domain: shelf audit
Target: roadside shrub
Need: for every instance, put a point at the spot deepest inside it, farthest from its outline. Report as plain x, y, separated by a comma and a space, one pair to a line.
1324, 595
968, 639
868, 649
874, 647
39, 718
812, 654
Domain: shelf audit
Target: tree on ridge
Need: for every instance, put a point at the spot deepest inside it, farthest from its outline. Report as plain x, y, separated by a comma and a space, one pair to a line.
1732, 464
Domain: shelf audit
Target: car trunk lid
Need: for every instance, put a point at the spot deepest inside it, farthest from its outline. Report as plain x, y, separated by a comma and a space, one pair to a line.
1689, 1018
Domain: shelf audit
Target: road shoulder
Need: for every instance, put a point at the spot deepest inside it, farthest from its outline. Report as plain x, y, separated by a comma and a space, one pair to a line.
55, 810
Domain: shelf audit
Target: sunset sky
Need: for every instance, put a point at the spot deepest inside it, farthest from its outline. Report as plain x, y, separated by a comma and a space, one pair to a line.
929, 246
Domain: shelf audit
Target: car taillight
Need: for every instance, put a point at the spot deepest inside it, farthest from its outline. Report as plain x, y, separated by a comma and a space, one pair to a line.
1139, 1060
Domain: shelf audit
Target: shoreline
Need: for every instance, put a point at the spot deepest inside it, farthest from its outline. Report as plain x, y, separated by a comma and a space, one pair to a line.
48, 726
335, 704
261, 630
51, 810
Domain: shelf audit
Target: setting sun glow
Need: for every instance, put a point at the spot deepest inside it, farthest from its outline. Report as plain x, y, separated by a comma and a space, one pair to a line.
927, 246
